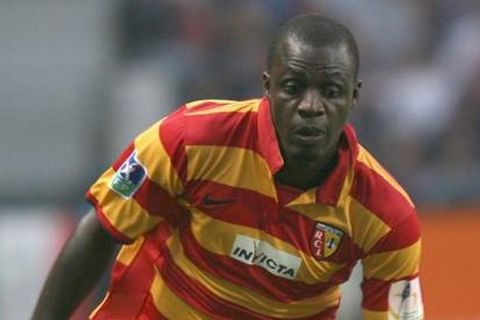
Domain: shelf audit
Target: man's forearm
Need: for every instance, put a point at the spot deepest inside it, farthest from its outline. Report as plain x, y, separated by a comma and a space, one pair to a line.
76, 271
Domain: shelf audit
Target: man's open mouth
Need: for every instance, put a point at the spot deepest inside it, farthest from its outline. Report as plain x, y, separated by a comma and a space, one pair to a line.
309, 133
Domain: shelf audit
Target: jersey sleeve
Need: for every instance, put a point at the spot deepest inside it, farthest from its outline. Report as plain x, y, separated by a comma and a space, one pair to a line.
391, 285
140, 189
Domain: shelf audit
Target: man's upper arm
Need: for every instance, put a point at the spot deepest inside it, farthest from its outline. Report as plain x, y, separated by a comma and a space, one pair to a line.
391, 286
139, 190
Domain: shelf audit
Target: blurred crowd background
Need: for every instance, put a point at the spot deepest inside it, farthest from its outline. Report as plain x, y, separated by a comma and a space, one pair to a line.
79, 79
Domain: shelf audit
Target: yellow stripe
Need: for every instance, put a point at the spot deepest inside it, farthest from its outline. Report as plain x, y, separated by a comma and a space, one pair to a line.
169, 305
152, 154
367, 228
393, 264
249, 299
194, 104
126, 215
230, 106
204, 228
368, 160
308, 197
100, 305
375, 315
129, 252
234, 167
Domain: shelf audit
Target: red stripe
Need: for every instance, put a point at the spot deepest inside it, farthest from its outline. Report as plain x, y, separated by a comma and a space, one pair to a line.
404, 234
232, 129
150, 311
172, 134
114, 232
375, 294
123, 156
130, 285
118, 270
248, 205
127, 296
352, 141
378, 196
157, 201
193, 293
253, 277
329, 191
286, 194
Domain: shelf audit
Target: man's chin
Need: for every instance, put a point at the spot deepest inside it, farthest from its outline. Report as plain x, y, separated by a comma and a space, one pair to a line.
305, 154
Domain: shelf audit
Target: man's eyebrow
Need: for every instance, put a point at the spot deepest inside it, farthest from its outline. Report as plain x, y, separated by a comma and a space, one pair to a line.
334, 74
295, 69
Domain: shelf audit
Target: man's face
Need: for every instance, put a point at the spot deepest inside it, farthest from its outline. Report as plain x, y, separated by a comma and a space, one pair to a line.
312, 91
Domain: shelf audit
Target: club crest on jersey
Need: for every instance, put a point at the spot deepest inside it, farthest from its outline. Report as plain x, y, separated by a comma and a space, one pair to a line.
325, 240
128, 177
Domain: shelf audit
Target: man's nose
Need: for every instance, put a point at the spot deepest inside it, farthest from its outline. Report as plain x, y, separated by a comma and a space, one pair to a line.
312, 104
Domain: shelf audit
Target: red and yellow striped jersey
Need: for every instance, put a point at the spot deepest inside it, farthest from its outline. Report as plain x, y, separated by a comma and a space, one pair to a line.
209, 234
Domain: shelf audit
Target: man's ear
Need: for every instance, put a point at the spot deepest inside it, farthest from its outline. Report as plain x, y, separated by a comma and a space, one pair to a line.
356, 92
266, 82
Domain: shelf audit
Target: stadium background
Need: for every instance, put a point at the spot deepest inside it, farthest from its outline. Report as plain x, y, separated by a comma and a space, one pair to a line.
78, 79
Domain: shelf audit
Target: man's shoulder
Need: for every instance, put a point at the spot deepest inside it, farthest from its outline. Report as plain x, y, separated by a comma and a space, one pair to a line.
195, 114
213, 122
378, 191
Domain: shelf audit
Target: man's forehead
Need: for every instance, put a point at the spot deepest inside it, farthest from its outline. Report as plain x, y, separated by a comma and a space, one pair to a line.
332, 58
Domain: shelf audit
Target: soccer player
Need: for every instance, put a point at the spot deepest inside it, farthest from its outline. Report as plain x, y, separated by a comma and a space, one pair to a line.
254, 209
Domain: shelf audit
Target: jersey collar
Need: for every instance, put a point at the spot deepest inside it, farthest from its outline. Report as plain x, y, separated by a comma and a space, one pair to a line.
267, 138
330, 190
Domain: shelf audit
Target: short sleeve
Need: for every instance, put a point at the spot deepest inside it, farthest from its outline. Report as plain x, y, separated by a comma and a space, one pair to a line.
391, 285
140, 189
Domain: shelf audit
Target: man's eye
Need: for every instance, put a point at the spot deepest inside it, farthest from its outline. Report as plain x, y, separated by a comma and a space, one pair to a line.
332, 92
291, 87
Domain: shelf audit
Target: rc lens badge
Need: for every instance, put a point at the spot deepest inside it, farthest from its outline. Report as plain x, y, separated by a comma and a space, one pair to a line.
128, 177
325, 240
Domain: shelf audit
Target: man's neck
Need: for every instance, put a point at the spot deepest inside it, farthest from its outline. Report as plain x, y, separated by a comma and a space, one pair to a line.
306, 174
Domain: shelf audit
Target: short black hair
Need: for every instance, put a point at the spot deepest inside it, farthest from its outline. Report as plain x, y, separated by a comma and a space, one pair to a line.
317, 30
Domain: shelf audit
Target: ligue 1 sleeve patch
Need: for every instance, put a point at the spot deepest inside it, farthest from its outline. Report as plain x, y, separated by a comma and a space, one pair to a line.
325, 240
405, 300
129, 177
